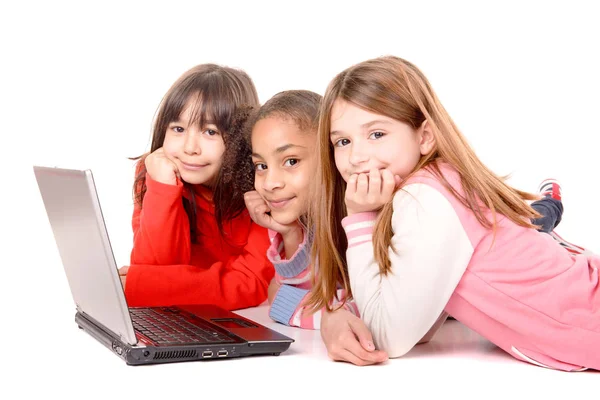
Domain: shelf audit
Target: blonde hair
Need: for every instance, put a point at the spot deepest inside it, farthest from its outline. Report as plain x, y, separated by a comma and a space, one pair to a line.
395, 88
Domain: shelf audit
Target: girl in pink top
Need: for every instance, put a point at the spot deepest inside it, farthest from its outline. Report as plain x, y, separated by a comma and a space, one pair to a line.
431, 231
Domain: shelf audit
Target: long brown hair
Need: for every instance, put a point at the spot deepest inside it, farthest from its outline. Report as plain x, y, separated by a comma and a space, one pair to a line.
218, 94
395, 88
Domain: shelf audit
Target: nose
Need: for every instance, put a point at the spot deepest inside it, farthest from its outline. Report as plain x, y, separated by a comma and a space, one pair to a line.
358, 154
191, 145
273, 180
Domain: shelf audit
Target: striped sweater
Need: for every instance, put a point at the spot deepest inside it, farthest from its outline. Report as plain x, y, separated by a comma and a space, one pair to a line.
294, 276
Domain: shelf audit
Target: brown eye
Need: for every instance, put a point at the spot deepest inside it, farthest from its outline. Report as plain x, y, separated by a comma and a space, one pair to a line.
342, 143
376, 135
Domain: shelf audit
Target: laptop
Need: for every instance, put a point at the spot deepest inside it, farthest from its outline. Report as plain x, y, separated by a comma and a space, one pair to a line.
138, 335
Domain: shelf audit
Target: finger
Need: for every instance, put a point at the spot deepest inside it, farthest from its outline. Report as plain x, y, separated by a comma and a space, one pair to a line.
176, 170
398, 180
124, 270
356, 348
164, 154
347, 356
362, 185
351, 185
257, 211
364, 337
168, 157
374, 182
260, 213
252, 194
253, 202
250, 198
362, 333
148, 160
261, 208
388, 184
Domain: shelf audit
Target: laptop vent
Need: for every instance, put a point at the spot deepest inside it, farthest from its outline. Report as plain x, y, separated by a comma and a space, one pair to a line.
177, 354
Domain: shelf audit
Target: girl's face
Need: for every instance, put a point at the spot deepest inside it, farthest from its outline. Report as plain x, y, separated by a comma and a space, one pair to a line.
284, 162
363, 141
197, 151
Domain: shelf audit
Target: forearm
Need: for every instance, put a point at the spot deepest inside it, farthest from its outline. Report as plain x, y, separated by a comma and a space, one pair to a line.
292, 270
289, 308
399, 308
161, 227
165, 285
291, 241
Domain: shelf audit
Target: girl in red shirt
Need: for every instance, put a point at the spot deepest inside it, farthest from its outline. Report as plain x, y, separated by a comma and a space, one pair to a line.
194, 242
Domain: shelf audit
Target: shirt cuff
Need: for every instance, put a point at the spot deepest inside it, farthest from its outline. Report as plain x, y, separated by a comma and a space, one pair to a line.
359, 227
162, 189
295, 265
286, 302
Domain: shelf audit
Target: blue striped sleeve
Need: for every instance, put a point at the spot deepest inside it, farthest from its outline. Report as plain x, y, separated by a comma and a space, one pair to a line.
286, 302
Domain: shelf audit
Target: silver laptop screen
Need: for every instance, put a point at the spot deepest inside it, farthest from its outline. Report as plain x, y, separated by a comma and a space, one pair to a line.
74, 213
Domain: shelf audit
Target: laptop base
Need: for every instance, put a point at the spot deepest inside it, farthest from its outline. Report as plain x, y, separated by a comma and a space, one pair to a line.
148, 354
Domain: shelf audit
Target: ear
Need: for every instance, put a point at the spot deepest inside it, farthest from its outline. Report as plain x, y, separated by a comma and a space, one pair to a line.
427, 139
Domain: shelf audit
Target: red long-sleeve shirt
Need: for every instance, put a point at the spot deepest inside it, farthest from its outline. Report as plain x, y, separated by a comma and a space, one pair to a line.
167, 269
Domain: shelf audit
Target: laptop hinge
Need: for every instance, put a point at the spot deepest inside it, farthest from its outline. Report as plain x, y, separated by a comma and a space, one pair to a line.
102, 327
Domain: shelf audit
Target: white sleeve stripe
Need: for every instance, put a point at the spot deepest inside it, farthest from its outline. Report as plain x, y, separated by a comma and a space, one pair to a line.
362, 238
359, 225
296, 281
317, 320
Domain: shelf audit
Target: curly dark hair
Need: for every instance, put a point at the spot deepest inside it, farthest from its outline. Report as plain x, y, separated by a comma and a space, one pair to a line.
224, 96
300, 106
237, 172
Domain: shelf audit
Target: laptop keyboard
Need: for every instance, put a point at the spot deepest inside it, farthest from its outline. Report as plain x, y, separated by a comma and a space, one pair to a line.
169, 326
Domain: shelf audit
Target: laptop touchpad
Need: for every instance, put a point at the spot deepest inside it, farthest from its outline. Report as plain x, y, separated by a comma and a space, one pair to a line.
233, 323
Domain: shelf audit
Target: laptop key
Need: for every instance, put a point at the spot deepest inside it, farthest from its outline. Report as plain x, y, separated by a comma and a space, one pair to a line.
169, 326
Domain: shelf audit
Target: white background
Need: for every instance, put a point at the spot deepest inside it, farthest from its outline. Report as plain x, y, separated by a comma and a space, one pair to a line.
80, 83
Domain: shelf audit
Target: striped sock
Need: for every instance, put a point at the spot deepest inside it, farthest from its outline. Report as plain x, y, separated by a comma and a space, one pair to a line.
550, 188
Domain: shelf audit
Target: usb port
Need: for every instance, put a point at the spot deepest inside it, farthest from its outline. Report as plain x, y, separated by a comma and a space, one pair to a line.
222, 353
207, 354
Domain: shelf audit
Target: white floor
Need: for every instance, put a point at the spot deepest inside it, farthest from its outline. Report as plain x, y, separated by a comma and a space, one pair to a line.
66, 361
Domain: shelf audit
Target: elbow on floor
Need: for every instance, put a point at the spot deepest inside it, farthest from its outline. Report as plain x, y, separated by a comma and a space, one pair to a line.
396, 349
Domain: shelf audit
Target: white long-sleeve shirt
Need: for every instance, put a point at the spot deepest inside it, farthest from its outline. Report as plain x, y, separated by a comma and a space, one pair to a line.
432, 252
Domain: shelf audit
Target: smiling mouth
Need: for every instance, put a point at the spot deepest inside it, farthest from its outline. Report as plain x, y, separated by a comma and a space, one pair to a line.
280, 203
193, 167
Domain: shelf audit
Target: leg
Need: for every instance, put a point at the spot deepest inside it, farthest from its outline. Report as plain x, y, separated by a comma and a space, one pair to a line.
551, 209
550, 206
571, 248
